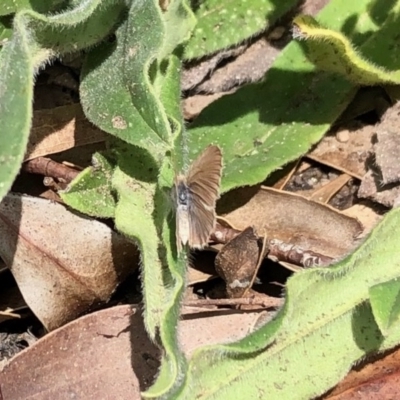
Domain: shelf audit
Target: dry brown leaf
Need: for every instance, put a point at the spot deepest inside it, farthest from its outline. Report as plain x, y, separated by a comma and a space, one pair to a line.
194, 105
292, 219
107, 354
366, 215
90, 358
326, 192
63, 263
378, 380
237, 262
194, 75
61, 128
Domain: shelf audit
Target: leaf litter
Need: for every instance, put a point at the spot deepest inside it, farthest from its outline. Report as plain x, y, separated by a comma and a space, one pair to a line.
101, 346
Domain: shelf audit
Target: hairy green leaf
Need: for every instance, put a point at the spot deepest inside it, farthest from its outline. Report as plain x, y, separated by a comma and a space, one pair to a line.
264, 126
385, 303
36, 39
116, 91
16, 92
143, 213
135, 180
332, 51
41, 6
224, 23
327, 316
91, 191
130, 88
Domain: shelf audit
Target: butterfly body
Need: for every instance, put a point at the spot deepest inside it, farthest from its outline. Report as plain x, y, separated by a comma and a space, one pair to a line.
182, 210
195, 195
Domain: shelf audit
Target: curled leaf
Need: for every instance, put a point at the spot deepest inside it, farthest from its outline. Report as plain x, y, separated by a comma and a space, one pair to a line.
332, 51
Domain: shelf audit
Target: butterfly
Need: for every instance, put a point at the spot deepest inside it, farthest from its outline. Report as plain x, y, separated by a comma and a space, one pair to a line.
195, 194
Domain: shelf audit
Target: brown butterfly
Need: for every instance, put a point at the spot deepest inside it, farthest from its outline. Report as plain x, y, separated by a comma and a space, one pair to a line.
195, 195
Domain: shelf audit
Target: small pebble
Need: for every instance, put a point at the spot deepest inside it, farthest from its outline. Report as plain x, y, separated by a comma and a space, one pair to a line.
343, 136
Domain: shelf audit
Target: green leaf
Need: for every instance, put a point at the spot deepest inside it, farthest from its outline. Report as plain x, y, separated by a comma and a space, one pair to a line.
224, 23
143, 213
332, 51
168, 89
173, 365
385, 303
179, 22
91, 191
116, 91
134, 180
41, 6
16, 92
130, 88
264, 126
36, 39
327, 316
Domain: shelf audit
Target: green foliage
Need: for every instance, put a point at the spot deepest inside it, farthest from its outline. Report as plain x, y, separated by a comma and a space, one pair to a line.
117, 91
91, 192
130, 89
41, 6
264, 126
385, 303
332, 51
37, 39
224, 23
327, 316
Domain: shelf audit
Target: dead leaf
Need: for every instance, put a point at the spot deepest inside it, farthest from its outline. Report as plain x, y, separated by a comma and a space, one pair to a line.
90, 358
366, 215
387, 148
194, 75
107, 354
61, 128
63, 263
376, 379
237, 262
380, 183
292, 219
326, 192
192, 106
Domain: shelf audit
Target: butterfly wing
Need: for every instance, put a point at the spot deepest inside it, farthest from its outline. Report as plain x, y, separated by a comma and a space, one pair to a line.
203, 181
201, 224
